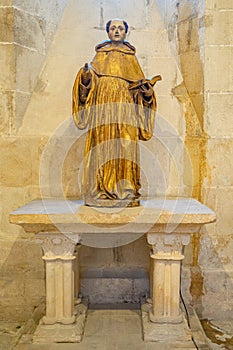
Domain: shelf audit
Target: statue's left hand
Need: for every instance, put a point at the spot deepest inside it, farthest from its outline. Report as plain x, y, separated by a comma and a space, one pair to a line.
86, 75
147, 90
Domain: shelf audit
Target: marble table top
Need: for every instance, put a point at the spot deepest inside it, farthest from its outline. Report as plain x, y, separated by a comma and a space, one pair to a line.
52, 212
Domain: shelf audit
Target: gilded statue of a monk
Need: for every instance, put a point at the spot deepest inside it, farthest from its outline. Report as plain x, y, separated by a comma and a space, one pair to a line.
114, 101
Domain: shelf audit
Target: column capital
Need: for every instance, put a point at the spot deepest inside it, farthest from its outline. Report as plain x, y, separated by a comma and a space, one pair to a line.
171, 243
57, 245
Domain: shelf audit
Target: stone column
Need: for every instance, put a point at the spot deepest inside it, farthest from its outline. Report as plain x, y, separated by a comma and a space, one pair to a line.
76, 273
64, 321
59, 258
166, 260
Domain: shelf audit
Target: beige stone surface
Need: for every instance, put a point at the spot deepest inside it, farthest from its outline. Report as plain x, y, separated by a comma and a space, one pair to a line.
157, 158
6, 3
51, 12
50, 30
153, 212
218, 65
220, 5
190, 8
34, 28
223, 19
217, 147
197, 100
12, 268
11, 197
169, 71
179, 333
15, 153
165, 277
224, 208
83, 12
13, 300
221, 293
6, 111
60, 333
223, 245
26, 75
6, 24
141, 38
22, 275
193, 78
7, 66
218, 122
204, 41
121, 256
188, 35
102, 332
191, 176
21, 100
10, 332
169, 110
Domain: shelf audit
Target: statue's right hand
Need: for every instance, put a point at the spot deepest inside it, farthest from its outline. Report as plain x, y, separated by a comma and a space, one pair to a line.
86, 75
85, 68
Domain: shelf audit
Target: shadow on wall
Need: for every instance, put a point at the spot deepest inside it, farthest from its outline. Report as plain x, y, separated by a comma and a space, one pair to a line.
22, 281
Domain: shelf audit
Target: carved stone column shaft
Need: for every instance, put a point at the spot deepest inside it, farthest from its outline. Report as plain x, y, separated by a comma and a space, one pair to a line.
58, 256
76, 272
166, 259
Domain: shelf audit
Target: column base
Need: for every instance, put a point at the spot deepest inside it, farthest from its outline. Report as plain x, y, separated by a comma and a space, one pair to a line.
62, 333
50, 321
172, 320
164, 332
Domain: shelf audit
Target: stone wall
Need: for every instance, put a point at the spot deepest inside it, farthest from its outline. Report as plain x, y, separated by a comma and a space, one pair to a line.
27, 29
201, 37
216, 253
44, 45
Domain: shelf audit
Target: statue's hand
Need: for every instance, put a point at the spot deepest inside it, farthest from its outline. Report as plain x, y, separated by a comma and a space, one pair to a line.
86, 75
147, 90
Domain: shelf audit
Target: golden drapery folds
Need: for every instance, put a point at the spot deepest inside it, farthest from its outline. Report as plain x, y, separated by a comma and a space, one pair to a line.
116, 117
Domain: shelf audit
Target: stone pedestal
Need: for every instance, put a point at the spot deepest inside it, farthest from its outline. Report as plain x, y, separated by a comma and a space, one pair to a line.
62, 322
166, 259
165, 332
164, 314
59, 226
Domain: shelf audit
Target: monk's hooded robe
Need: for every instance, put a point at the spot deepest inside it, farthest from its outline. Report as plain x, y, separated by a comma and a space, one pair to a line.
116, 118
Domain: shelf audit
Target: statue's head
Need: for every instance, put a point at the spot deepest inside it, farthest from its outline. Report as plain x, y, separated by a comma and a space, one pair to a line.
117, 30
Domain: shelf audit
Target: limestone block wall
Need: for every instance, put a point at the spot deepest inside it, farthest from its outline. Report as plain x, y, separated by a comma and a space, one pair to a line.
216, 255
26, 32
201, 37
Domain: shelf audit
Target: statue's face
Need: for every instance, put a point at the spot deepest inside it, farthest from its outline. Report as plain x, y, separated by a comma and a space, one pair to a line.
117, 31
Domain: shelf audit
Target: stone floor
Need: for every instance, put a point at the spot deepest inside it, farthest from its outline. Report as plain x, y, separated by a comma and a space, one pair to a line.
9, 335
220, 333
111, 330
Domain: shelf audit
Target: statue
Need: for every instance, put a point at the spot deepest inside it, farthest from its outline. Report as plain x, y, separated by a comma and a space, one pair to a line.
114, 101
